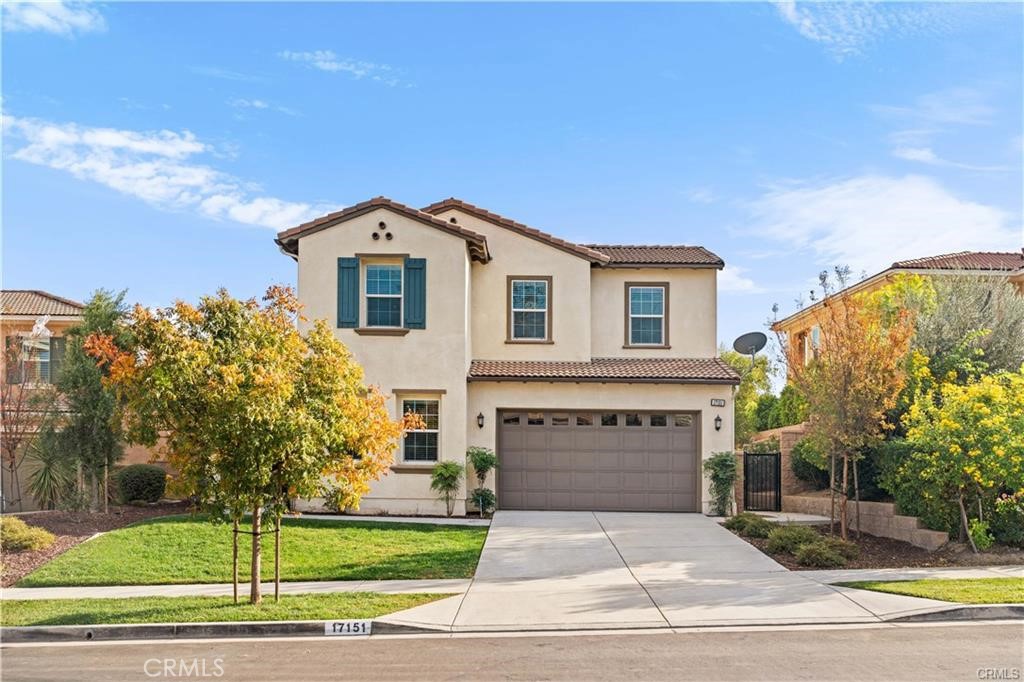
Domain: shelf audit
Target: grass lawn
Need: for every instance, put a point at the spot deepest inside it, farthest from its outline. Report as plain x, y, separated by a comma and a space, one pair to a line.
328, 606
182, 549
963, 590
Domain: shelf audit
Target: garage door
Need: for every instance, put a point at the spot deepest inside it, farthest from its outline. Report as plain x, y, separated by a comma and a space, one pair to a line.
624, 461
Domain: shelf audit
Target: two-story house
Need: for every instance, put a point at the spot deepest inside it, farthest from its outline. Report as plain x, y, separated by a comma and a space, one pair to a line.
591, 370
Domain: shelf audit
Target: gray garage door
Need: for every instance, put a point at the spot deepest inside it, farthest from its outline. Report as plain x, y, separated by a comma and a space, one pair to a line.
624, 461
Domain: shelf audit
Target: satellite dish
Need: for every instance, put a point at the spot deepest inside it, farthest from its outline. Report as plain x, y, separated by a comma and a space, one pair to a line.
750, 343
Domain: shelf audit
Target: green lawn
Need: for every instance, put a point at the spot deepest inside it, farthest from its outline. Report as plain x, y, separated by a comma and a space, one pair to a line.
328, 606
181, 549
963, 590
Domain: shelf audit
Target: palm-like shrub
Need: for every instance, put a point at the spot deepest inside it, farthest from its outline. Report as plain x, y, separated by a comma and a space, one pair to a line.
445, 480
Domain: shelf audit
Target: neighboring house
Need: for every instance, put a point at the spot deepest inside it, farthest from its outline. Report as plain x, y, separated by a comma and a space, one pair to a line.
801, 328
33, 325
591, 370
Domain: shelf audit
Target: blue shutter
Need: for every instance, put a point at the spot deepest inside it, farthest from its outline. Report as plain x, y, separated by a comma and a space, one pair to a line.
415, 296
348, 292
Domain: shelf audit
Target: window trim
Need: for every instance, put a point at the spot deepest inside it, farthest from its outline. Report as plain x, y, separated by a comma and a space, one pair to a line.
664, 286
23, 336
549, 316
365, 264
435, 396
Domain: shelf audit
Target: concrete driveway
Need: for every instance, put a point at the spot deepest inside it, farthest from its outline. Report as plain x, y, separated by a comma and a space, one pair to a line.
578, 570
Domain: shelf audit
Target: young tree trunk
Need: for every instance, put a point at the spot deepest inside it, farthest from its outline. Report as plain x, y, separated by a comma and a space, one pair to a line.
255, 596
234, 558
966, 528
277, 558
843, 518
106, 489
832, 493
856, 497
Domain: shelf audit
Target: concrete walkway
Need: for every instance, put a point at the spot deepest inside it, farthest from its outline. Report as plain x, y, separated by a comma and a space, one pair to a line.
583, 570
220, 590
433, 520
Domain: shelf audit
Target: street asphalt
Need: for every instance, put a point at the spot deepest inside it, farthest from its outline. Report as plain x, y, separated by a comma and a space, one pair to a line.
980, 651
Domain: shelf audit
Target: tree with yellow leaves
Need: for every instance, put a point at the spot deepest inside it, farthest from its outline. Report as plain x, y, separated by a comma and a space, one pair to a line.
254, 411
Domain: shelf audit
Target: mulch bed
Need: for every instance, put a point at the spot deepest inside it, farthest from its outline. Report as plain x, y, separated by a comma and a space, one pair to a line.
876, 552
73, 528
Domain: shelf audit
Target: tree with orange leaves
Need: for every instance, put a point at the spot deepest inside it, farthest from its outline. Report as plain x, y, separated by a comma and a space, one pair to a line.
854, 379
254, 411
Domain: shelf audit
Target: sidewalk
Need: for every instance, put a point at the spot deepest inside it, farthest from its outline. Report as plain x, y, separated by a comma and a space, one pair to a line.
432, 520
220, 590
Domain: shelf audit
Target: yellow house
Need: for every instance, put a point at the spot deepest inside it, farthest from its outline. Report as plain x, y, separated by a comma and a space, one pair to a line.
591, 370
801, 328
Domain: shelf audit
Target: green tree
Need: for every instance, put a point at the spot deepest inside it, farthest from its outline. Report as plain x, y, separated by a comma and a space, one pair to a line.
89, 432
755, 381
255, 412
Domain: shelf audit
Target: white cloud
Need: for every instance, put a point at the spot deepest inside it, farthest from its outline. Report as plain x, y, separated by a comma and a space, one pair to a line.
158, 167
952, 106
731, 279
61, 18
927, 155
869, 221
701, 195
226, 74
242, 103
846, 29
327, 60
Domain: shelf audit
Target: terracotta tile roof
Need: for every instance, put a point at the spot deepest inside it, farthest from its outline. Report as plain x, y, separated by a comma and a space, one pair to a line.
288, 240
967, 260
613, 370
35, 302
625, 255
483, 214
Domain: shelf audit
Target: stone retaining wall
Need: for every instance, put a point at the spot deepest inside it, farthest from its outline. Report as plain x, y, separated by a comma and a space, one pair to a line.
877, 518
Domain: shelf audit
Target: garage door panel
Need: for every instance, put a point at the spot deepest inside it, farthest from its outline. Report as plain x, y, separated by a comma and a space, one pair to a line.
598, 461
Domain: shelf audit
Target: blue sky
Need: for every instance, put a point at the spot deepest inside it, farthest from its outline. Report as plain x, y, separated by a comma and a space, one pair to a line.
157, 147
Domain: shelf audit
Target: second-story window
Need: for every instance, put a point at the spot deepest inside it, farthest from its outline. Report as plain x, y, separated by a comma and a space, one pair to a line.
646, 312
383, 295
530, 312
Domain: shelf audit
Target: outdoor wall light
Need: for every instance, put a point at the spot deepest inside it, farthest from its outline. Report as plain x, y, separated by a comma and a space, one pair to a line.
480, 420
718, 423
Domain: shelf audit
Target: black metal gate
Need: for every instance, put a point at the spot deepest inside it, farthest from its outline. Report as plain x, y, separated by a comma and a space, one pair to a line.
762, 481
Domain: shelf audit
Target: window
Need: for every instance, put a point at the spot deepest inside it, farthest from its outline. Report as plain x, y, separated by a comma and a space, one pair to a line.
646, 313
812, 344
559, 420
609, 420
33, 355
383, 295
634, 420
683, 420
421, 444
584, 420
510, 419
659, 420
535, 419
529, 309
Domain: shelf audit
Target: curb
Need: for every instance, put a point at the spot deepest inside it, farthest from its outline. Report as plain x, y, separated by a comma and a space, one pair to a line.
314, 628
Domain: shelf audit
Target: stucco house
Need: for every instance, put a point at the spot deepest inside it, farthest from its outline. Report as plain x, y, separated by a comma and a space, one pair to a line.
803, 333
591, 370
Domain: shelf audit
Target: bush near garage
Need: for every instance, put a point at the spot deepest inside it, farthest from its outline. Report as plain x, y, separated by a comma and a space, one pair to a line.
141, 483
16, 535
787, 539
819, 555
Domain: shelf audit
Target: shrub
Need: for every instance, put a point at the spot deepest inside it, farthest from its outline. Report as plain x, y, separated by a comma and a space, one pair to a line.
809, 463
763, 446
766, 412
819, 555
787, 539
721, 470
483, 461
1007, 520
791, 408
740, 521
843, 548
758, 528
979, 533
445, 480
16, 535
484, 500
141, 483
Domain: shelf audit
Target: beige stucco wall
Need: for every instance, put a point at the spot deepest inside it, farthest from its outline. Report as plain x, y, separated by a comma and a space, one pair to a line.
514, 254
489, 397
692, 319
427, 361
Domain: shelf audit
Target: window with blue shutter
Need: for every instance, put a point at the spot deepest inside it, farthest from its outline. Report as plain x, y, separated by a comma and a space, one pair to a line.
348, 293
415, 302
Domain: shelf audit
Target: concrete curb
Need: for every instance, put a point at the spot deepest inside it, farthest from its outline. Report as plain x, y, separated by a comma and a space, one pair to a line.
313, 628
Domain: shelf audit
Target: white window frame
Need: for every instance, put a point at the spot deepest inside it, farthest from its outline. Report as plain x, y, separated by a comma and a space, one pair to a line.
24, 359
629, 307
400, 295
812, 345
421, 397
546, 310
